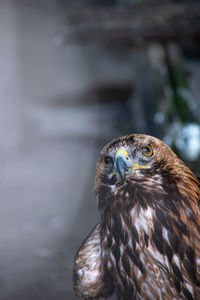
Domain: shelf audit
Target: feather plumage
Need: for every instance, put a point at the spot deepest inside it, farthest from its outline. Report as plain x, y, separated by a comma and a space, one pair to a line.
149, 231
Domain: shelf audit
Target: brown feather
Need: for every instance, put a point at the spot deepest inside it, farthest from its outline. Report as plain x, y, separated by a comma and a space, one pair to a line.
88, 275
149, 233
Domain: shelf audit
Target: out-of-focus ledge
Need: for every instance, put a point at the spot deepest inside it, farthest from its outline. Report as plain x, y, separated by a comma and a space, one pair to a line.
137, 25
98, 94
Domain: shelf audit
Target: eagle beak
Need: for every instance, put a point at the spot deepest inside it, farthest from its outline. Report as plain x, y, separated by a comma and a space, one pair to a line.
122, 162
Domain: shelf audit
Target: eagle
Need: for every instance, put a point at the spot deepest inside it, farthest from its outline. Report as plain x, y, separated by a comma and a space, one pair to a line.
146, 244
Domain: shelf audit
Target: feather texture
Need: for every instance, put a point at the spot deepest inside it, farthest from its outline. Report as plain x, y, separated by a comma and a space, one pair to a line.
147, 243
88, 275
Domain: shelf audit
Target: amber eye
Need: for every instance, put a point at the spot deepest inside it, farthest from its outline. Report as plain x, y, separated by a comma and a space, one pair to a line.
147, 150
107, 162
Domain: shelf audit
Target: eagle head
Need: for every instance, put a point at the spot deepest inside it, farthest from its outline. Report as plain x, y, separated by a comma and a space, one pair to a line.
136, 167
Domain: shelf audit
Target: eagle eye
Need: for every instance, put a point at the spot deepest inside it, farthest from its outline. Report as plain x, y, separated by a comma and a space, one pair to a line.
107, 162
147, 150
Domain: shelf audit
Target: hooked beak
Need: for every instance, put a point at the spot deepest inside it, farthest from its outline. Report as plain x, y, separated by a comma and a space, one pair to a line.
122, 162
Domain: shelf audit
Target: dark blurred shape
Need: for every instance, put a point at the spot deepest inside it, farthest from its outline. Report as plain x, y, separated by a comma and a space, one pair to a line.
191, 48
136, 26
114, 93
71, 4
178, 79
101, 94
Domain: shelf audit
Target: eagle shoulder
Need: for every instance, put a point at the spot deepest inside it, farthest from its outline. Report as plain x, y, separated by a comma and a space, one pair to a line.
89, 278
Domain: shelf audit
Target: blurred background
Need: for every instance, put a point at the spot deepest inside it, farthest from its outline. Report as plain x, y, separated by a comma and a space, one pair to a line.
74, 75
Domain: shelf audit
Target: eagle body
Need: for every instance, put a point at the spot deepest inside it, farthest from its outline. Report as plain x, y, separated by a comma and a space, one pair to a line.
147, 242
